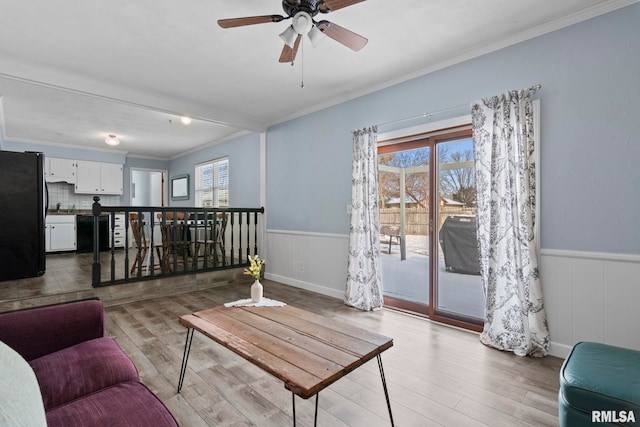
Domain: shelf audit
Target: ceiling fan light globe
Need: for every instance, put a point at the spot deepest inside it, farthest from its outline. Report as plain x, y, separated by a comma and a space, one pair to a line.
302, 23
316, 36
288, 36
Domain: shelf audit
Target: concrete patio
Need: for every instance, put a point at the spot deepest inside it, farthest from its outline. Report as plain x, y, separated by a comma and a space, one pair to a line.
409, 280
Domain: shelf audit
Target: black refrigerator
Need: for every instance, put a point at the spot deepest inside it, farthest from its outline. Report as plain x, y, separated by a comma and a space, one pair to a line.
23, 207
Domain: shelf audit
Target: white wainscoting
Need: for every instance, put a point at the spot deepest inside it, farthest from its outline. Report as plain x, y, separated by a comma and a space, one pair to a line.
588, 296
591, 297
312, 261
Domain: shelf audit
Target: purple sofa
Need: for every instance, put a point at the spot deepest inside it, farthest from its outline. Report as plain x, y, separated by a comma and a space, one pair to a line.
85, 378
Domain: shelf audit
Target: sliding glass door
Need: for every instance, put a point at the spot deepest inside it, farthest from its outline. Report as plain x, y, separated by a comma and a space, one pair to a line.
427, 221
458, 292
404, 225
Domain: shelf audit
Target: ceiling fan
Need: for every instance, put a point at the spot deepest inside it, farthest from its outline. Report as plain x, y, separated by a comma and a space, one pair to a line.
302, 13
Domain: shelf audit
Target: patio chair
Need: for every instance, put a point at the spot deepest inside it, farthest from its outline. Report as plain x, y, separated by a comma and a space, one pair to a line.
392, 232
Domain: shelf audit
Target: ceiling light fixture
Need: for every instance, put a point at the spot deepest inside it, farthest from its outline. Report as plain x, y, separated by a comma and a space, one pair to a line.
185, 120
112, 140
316, 36
288, 36
302, 24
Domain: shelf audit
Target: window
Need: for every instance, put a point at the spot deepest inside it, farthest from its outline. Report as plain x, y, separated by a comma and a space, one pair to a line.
212, 184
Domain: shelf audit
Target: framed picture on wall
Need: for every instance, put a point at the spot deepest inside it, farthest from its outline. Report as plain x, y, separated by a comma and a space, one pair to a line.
180, 187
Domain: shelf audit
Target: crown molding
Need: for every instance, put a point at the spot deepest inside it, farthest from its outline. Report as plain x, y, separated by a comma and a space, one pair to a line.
52, 78
529, 34
71, 146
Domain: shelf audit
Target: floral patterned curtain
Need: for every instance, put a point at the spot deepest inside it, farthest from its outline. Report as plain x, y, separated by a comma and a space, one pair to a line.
506, 199
364, 279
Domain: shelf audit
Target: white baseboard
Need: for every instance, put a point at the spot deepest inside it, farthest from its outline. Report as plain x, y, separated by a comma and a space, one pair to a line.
559, 349
588, 296
591, 296
311, 261
305, 285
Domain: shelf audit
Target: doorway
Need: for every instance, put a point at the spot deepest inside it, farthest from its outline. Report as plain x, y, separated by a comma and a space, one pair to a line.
148, 187
428, 244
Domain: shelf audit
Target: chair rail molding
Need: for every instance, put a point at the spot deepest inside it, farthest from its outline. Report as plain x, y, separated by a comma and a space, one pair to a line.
589, 296
604, 256
308, 260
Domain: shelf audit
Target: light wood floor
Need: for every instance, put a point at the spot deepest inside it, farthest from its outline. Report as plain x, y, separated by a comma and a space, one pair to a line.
437, 375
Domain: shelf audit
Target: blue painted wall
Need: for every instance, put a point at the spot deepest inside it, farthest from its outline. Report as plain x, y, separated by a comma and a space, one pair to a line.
590, 127
590, 147
140, 163
244, 170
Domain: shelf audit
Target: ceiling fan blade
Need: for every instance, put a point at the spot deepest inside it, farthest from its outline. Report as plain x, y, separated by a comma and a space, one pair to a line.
333, 5
348, 38
289, 54
250, 20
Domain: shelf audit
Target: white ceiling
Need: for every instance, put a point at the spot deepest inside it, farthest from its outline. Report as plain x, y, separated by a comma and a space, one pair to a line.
73, 71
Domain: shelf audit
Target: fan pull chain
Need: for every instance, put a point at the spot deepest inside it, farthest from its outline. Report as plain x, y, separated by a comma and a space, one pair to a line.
302, 63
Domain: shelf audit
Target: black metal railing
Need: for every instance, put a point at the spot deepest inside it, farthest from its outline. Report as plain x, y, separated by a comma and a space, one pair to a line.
150, 242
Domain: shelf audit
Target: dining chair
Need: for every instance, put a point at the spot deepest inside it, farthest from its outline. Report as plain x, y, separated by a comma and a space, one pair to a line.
137, 225
214, 241
176, 244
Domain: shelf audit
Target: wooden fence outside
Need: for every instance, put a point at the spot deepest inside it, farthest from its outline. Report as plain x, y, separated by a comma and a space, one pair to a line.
417, 219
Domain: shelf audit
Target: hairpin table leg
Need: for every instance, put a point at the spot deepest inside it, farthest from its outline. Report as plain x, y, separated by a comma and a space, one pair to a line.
293, 397
185, 357
315, 417
384, 385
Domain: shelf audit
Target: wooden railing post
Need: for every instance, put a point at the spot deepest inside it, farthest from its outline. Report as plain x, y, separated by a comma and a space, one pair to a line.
182, 231
95, 267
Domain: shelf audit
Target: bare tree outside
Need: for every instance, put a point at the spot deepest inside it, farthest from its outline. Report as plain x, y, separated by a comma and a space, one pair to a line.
456, 183
416, 183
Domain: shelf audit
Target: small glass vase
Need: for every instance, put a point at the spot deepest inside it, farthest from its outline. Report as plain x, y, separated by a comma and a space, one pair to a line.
256, 291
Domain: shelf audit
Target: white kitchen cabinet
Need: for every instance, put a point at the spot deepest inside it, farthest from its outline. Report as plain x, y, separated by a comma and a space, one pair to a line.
88, 177
99, 178
111, 178
118, 232
60, 170
60, 233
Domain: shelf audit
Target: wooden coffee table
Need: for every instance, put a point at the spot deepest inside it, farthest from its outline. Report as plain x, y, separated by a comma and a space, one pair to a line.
307, 351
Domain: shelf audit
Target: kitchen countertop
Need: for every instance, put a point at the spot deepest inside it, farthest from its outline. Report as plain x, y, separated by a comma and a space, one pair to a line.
53, 212
69, 212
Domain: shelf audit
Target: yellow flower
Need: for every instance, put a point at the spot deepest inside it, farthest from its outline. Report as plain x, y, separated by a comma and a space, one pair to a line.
255, 267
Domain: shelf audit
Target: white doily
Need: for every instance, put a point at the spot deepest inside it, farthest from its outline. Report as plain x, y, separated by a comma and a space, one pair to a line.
264, 302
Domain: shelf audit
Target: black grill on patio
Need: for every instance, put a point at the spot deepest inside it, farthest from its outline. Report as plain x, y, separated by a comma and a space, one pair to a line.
460, 245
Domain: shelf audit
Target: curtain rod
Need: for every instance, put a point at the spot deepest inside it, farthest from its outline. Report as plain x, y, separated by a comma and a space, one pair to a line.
533, 90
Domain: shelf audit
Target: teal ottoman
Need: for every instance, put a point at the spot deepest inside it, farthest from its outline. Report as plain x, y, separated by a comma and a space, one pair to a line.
599, 385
